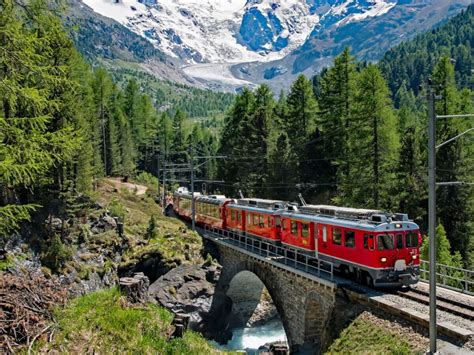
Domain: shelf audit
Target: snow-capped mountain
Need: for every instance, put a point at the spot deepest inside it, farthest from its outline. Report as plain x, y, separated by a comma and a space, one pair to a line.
238, 42
233, 30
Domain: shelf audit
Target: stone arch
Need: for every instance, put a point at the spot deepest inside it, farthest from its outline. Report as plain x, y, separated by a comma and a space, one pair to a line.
265, 277
245, 290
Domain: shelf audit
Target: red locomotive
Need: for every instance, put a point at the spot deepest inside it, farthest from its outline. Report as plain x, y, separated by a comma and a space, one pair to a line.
378, 248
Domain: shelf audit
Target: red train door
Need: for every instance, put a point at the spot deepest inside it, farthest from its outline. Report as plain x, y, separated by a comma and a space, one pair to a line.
315, 236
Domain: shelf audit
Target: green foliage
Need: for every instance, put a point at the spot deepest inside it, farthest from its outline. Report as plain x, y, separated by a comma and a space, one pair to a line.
444, 257
35, 135
372, 145
55, 253
147, 179
413, 61
6, 263
151, 230
443, 249
116, 209
111, 325
170, 97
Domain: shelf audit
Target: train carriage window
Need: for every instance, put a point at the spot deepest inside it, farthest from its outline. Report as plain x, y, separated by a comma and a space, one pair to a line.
304, 230
399, 241
262, 222
284, 224
294, 228
385, 242
239, 217
255, 220
411, 240
232, 215
325, 234
248, 219
278, 222
368, 241
336, 236
349, 239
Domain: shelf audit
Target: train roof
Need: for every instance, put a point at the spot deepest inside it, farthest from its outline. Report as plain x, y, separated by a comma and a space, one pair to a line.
369, 219
213, 199
261, 203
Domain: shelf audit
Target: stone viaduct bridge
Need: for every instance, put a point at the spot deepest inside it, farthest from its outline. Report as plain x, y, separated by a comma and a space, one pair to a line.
310, 307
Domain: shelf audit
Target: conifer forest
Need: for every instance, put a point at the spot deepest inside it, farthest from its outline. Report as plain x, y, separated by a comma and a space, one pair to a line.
353, 135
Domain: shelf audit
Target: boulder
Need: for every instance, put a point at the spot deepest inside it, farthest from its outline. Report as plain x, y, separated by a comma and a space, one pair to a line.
190, 289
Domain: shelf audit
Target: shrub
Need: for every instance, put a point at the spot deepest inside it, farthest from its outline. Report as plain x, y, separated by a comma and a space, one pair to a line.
116, 209
55, 254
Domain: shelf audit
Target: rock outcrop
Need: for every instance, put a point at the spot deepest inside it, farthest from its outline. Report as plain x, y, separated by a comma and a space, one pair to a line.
190, 289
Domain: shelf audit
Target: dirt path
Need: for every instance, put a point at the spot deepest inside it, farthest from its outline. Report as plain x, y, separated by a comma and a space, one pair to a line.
118, 184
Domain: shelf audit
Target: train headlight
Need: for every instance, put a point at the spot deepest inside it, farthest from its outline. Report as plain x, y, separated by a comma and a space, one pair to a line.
384, 260
414, 257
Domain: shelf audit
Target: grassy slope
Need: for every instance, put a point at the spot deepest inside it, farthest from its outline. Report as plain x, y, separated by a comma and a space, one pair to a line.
173, 240
363, 336
101, 323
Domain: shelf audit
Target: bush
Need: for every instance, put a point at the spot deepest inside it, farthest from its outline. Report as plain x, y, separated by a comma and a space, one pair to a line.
151, 230
146, 179
116, 209
55, 254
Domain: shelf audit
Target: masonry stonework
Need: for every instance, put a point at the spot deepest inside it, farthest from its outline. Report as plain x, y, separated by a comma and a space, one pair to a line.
305, 306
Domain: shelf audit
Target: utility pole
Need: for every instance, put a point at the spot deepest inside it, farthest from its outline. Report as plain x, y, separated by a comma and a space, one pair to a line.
431, 96
164, 184
158, 174
193, 204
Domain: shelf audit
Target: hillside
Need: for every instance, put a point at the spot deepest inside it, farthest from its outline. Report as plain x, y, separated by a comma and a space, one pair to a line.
169, 96
412, 61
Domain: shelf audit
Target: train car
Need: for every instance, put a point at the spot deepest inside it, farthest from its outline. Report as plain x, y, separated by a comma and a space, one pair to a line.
182, 202
211, 210
378, 248
258, 218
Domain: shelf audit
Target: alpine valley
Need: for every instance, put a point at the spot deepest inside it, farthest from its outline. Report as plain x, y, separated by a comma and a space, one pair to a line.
226, 44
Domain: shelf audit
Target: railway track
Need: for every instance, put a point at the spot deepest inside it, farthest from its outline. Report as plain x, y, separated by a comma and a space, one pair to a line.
445, 304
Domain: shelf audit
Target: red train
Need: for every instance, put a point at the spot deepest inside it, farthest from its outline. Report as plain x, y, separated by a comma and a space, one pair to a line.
378, 248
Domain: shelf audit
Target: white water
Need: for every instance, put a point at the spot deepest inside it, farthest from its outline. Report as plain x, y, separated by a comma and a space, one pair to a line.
250, 339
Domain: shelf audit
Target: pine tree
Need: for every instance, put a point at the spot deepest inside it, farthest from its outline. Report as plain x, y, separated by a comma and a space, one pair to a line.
336, 101
34, 134
301, 119
454, 203
102, 87
255, 140
373, 145
178, 145
233, 169
282, 164
443, 249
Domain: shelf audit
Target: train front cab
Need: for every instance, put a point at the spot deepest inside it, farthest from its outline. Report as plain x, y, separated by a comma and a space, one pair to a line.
382, 259
396, 257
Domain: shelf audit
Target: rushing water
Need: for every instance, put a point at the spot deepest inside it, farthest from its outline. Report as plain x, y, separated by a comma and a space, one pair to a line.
250, 339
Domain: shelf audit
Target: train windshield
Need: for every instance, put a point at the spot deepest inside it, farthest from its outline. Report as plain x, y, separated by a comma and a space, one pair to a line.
385, 242
411, 240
